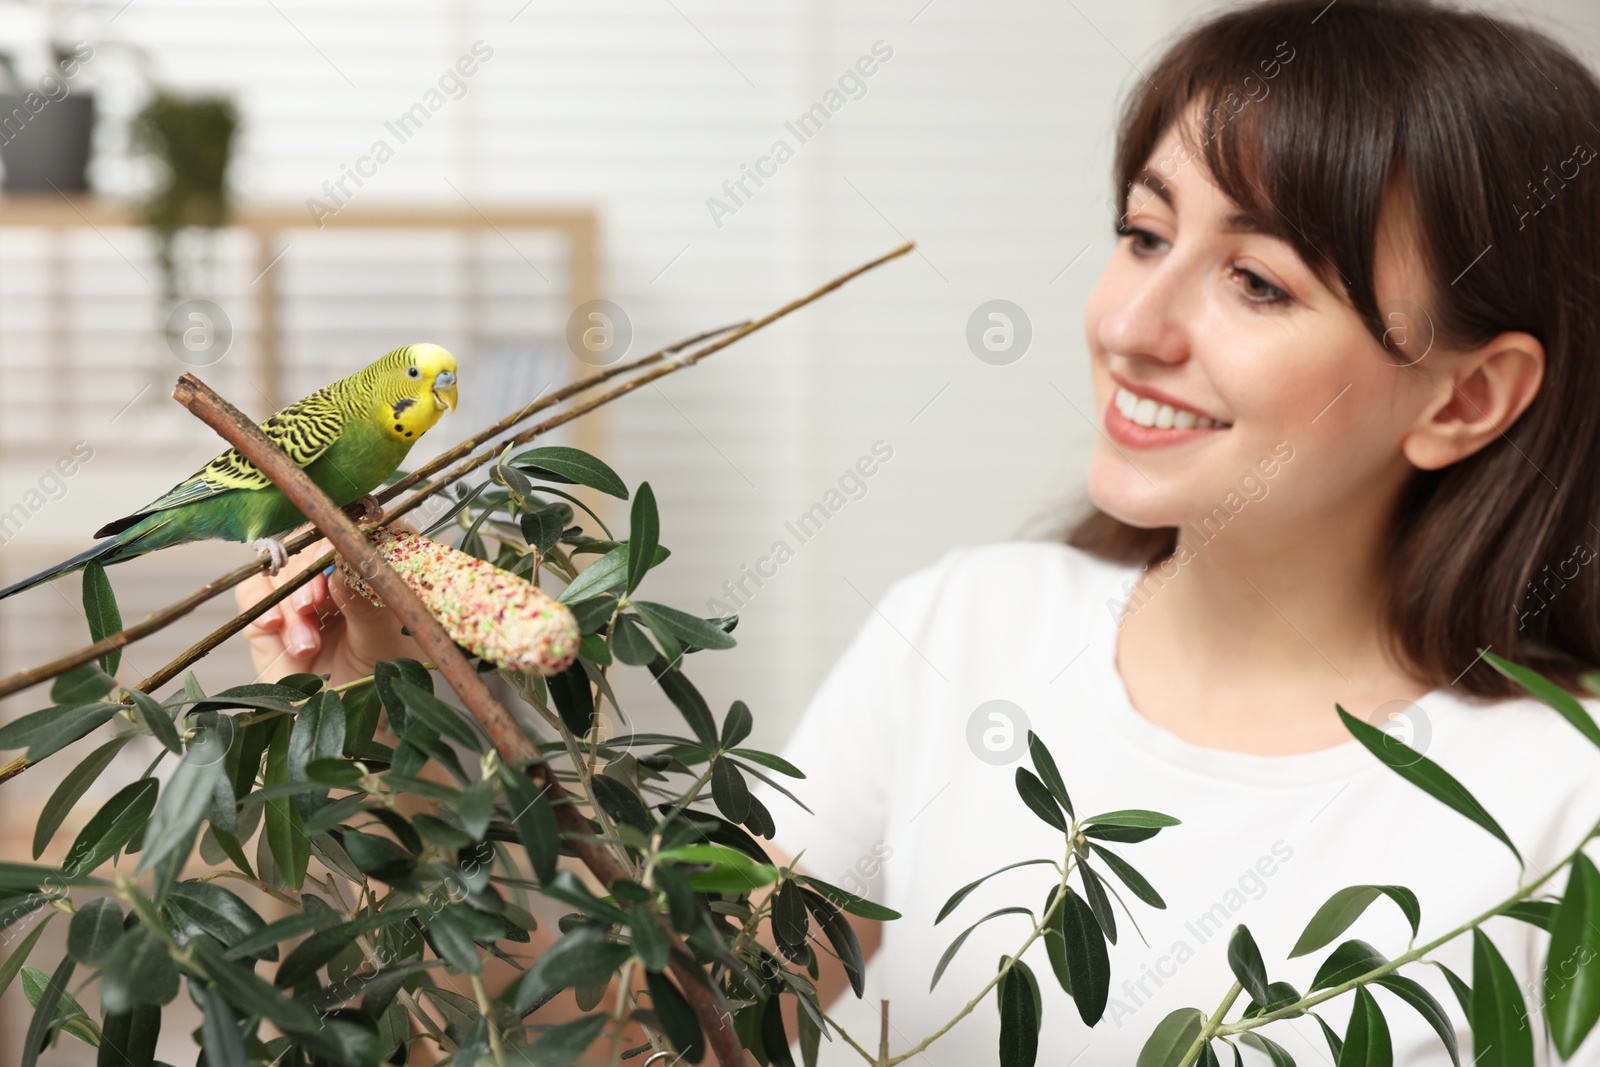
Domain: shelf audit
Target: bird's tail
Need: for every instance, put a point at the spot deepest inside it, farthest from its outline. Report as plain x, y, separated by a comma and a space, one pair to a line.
104, 551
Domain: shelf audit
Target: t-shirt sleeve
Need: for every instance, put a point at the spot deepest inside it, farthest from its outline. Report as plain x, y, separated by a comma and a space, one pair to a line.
849, 740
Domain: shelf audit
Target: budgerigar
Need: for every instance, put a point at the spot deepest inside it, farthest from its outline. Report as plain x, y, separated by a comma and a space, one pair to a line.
348, 436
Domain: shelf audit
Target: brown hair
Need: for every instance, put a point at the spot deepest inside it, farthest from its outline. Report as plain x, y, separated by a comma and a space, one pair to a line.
1485, 126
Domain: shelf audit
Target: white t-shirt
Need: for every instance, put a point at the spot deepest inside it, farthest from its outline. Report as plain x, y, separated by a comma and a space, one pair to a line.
906, 813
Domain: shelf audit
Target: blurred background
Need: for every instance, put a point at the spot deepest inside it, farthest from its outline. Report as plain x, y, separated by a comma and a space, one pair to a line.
475, 173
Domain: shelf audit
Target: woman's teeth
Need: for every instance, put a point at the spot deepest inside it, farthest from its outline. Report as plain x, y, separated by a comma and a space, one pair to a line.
1146, 412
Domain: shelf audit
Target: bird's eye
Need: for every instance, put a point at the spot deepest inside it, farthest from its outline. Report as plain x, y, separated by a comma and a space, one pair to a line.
415, 372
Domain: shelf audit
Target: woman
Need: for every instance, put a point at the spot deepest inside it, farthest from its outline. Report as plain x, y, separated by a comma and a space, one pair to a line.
1343, 366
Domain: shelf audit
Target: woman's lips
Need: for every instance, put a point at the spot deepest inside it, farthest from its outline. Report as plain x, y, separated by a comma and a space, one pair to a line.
1126, 411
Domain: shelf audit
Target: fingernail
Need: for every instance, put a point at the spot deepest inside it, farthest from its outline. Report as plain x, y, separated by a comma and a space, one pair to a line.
300, 600
302, 641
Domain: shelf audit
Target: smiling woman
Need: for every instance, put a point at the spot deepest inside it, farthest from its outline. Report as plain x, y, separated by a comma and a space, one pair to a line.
1346, 270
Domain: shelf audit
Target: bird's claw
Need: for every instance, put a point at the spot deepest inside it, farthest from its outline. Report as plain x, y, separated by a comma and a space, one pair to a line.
277, 554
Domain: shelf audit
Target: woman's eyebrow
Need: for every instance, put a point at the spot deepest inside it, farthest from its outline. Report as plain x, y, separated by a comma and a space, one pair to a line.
1239, 220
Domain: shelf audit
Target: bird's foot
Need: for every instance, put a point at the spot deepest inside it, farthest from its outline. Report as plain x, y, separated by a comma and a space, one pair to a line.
366, 510
277, 553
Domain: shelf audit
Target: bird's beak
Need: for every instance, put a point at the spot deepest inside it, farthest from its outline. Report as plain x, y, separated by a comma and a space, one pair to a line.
444, 389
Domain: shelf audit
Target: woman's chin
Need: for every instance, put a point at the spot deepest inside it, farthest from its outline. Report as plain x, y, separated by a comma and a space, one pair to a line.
1126, 497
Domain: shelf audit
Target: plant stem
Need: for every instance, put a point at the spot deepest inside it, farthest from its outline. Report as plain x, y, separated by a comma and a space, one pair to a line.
1213, 1024
496, 1043
1218, 1029
1038, 930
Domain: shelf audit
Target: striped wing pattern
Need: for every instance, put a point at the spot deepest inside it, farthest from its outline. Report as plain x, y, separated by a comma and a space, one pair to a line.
305, 430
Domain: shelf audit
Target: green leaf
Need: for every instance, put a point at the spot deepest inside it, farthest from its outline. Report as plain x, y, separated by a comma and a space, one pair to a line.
630, 642
1366, 1040
1038, 798
644, 533
377, 857
95, 927
607, 572
1277, 1053
1244, 958
250, 993
19, 955
317, 734
1088, 963
961, 939
1045, 764
436, 713
841, 936
44, 1013
768, 760
562, 1046
219, 1032
1419, 998
1094, 891
1501, 1036
46, 732
1018, 993
1540, 913
650, 941
788, 916
71, 790
1342, 909
112, 827
285, 830
185, 800
564, 464
266, 940
1551, 694
81, 684
138, 971
322, 946
677, 1018
961, 894
1171, 1039
687, 699
1572, 971
1133, 817
204, 908
1425, 774
729, 790
100, 608
736, 724
385, 674
847, 901
1131, 878
1055, 940
128, 1038
534, 820
574, 699
1350, 960
690, 629
1126, 835
158, 719
542, 526
584, 957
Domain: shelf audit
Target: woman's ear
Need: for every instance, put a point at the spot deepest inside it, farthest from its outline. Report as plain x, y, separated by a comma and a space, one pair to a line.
1479, 394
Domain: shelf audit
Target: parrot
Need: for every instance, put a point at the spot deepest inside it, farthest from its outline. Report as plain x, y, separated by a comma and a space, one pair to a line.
348, 436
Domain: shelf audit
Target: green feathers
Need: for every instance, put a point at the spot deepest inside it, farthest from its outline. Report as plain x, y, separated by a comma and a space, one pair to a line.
348, 436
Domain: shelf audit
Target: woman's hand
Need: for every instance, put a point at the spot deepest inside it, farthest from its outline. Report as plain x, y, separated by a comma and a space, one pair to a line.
323, 628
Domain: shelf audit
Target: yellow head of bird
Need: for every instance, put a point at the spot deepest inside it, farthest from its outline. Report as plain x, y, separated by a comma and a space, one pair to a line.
425, 389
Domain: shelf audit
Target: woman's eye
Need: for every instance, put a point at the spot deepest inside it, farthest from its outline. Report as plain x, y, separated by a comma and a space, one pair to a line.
1258, 289
1144, 242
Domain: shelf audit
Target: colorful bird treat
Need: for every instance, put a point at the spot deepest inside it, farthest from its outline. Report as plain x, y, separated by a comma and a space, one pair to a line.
510, 622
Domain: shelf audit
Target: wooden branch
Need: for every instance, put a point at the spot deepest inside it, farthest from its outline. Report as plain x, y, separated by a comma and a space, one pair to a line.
163, 618
513, 743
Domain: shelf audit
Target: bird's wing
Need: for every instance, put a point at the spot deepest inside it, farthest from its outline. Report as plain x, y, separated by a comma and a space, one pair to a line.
305, 430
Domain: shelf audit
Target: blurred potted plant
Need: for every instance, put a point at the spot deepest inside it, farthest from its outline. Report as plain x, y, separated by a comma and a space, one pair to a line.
46, 122
191, 139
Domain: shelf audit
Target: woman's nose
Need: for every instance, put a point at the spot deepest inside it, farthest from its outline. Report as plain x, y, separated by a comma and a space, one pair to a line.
1150, 314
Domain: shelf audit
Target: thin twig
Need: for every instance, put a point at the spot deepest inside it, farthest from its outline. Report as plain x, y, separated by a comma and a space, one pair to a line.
508, 737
